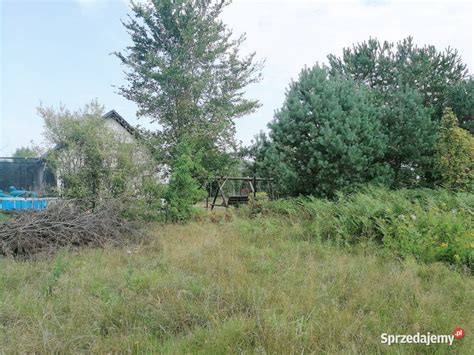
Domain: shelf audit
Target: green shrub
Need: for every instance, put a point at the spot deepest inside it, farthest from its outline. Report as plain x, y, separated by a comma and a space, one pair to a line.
148, 206
431, 235
183, 190
455, 154
430, 225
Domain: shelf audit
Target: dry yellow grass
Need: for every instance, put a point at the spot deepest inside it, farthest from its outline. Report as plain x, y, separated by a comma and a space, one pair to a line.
229, 287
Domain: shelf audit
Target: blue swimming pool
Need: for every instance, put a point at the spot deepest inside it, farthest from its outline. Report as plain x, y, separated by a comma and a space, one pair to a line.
19, 203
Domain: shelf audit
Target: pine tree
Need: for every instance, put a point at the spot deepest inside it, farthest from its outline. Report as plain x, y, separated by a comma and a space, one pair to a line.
461, 100
411, 141
409, 82
386, 67
327, 136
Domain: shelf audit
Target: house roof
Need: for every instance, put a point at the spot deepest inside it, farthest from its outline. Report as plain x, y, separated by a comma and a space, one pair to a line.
121, 121
111, 114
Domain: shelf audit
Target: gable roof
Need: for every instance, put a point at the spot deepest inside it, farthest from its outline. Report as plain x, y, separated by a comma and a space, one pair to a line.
111, 114
121, 121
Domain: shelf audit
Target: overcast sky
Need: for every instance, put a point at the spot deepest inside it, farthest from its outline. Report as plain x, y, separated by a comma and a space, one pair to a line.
57, 51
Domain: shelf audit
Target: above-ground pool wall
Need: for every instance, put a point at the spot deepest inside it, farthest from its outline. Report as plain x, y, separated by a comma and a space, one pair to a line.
15, 204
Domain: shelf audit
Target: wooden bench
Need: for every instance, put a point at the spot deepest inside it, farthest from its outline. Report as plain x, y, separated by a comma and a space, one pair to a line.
237, 200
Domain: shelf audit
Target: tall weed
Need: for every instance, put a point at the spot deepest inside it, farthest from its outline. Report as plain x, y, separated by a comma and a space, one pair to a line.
430, 225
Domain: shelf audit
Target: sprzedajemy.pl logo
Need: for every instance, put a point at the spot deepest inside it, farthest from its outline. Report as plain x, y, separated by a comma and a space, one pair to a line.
418, 338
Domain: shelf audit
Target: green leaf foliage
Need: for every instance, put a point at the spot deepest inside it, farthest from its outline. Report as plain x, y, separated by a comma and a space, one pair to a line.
183, 189
411, 138
91, 161
455, 154
387, 66
372, 116
461, 100
410, 83
185, 73
326, 136
427, 224
25, 152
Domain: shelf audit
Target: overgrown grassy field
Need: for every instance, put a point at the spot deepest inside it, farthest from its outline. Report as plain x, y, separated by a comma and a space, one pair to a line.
304, 276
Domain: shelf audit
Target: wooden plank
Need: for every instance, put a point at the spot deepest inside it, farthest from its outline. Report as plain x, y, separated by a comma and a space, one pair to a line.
219, 189
215, 197
238, 200
246, 178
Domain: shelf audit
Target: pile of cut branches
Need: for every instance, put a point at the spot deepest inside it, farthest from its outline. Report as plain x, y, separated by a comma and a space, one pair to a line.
63, 225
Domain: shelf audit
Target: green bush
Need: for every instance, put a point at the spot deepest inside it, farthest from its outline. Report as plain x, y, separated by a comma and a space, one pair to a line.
431, 235
455, 154
149, 206
430, 225
183, 189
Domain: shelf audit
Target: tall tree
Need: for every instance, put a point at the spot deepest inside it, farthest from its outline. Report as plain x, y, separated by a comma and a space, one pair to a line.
412, 135
386, 66
461, 100
326, 136
410, 83
185, 71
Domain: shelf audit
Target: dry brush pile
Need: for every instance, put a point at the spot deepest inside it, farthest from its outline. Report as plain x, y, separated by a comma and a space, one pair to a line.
63, 225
